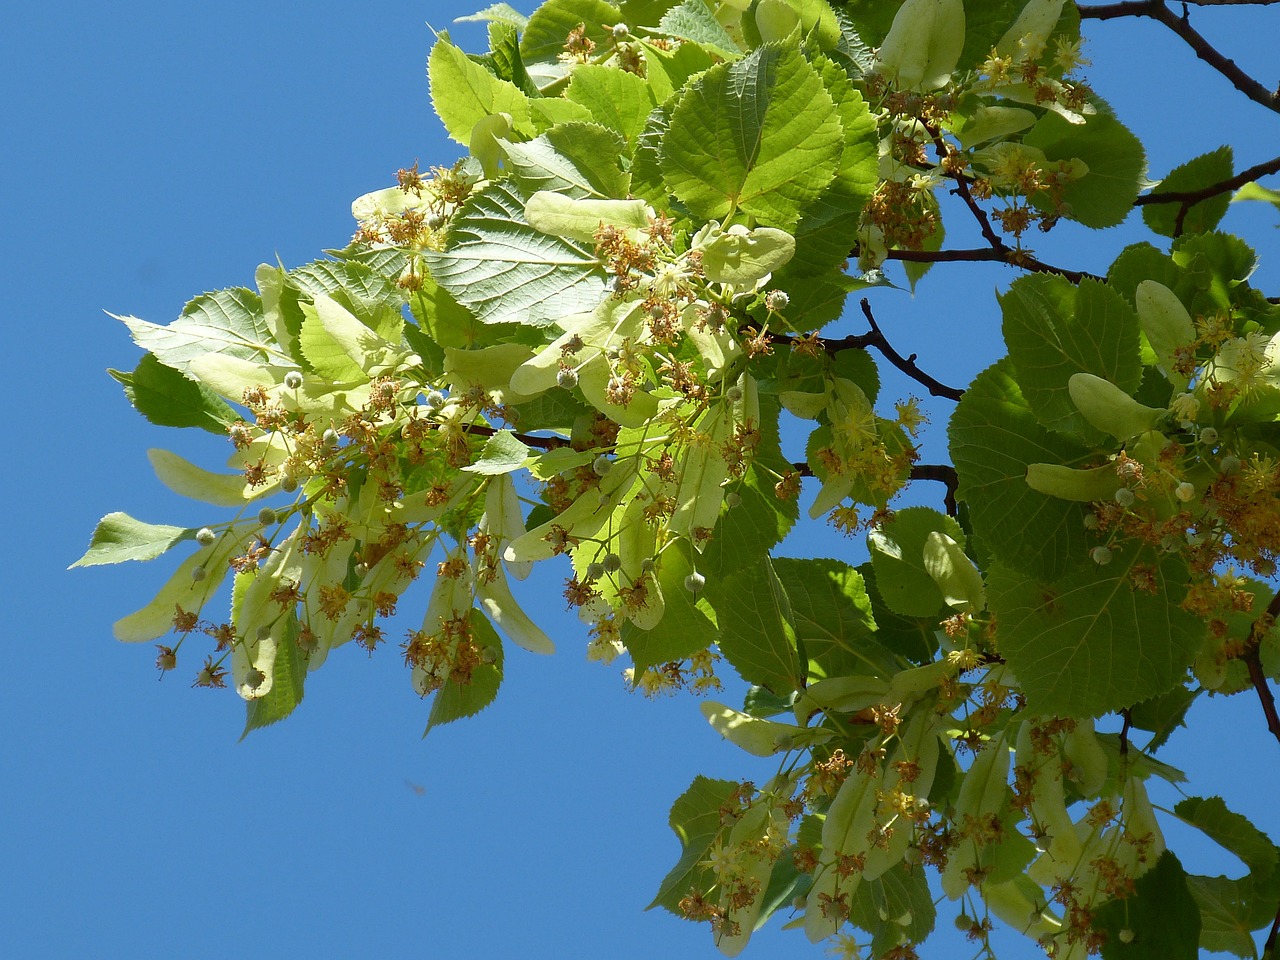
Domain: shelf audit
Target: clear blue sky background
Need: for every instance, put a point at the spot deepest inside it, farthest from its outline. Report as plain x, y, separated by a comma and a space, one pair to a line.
155, 150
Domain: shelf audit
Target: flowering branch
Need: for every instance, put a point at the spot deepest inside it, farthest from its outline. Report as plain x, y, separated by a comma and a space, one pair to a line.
1190, 197
1181, 25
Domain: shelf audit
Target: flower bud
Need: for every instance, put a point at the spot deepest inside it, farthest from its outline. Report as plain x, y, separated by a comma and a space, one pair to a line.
288, 483
776, 300
1124, 497
293, 380
567, 378
595, 571
1185, 491
620, 31
198, 574
1209, 436
732, 499
612, 563
1101, 555
266, 516
601, 465
205, 536
694, 582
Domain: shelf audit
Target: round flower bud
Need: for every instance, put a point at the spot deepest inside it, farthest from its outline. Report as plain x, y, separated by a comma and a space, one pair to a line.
205, 536
798, 903
1185, 491
1124, 497
254, 678
1125, 935
612, 563
647, 565
293, 380
198, 574
361, 569
733, 394
732, 498
266, 516
288, 483
1230, 465
167, 658
620, 31
694, 582
435, 220
1101, 555
330, 437
435, 400
264, 632
1209, 436
488, 655
601, 465
776, 300
595, 571
1090, 521
963, 922
567, 378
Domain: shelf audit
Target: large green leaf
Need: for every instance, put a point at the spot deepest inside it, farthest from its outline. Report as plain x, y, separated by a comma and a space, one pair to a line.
1096, 640
538, 165
167, 398
832, 616
288, 676
696, 820
503, 270
994, 437
897, 553
894, 905
1104, 196
1202, 171
756, 635
760, 134
552, 22
619, 100
455, 700
464, 93
119, 537
694, 20
911, 637
1161, 918
1055, 329
226, 322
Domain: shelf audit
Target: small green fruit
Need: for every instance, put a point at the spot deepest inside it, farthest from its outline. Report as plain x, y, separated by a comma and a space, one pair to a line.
1101, 555
601, 465
266, 516
293, 380
612, 563
694, 582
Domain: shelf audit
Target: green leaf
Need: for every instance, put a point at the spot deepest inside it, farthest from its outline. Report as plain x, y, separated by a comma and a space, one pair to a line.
337, 345
897, 554
1204, 171
464, 93
684, 628
923, 45
369, 292
456, 700
288, 676
1256, 191
617, 99
1095, 640
756, 636
1104, 196
183, 477
552, 22
1161, 918
1055, 329
760, 134
894, 905
119, 537
505, 271
910, 637
1231, 831
226, 322
544, 164
994, 437
502, 453
696, 820
832, 616
694, 20
167, 398
504, 57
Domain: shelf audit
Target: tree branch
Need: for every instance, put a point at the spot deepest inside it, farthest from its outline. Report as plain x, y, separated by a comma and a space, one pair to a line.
1156, 10
907, 365
1190, 197
1253, 660
999, 254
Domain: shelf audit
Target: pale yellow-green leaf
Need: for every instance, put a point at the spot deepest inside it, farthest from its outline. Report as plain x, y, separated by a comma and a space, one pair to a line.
497, 601
923, 45
951, 569
580, 219
185, 478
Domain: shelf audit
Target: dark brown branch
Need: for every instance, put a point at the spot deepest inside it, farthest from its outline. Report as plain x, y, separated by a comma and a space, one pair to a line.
528, 439
999, 254
1253, 660
1190, 197
943, 473
1156, 10
907, 365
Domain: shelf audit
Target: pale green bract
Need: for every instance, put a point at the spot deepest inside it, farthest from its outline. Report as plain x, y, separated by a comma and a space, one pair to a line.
607, 333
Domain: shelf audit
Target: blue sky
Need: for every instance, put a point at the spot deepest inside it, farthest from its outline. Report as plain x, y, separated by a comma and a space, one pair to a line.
156, 150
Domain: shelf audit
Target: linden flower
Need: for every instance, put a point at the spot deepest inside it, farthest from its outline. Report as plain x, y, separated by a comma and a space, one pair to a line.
996, 68
1067, 55
1184, 408
924, 182
1243, 360
671, 279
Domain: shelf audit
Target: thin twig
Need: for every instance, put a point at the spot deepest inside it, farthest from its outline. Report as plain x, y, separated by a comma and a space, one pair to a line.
1001, 254
907, 365
1156, 10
